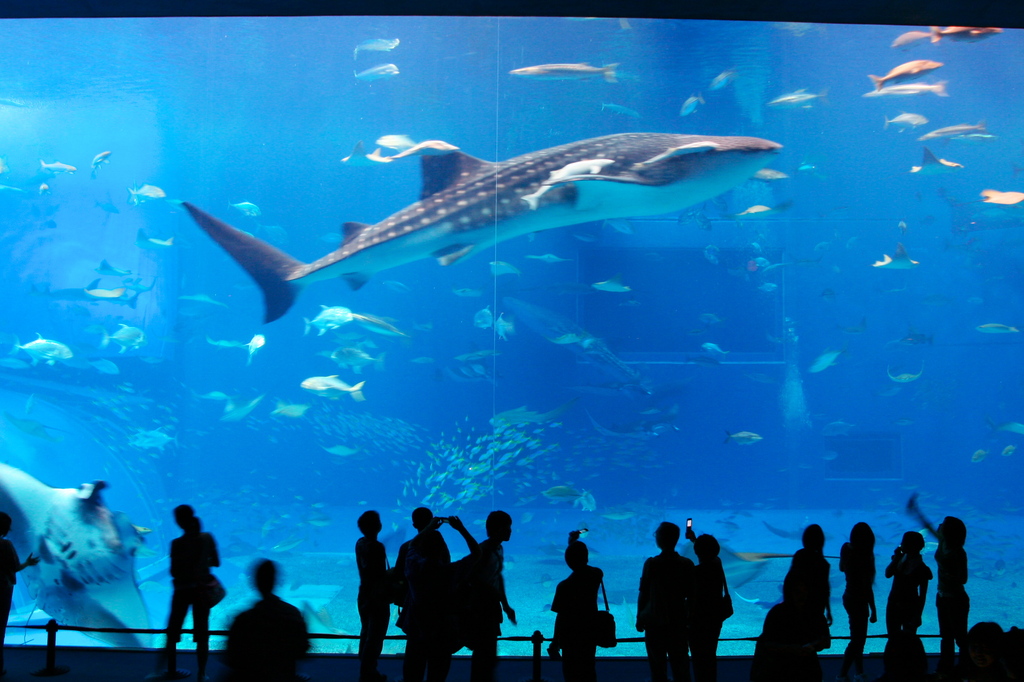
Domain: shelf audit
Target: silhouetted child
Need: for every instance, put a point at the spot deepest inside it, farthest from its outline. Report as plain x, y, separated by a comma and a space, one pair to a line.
575, 603
909, 590
429, 614
265, 642
857, 561
985, 642
487, 599
904, 659
709, 606
193, 554
810, 563
794, 632
10, 565
951, 601
666, 585
373, 600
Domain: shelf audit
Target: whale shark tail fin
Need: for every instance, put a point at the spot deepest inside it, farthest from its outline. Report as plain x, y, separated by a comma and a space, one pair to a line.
271, 268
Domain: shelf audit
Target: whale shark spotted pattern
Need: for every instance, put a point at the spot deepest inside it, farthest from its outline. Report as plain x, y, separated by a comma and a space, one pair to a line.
467, 204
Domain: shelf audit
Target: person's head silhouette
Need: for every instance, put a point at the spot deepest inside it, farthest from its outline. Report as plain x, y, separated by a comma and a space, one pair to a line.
576, 555
265, 577
369, 523
814, 538
5, 524
421, 517
706, 547
953, 530
183, 514
666, 536
499, 526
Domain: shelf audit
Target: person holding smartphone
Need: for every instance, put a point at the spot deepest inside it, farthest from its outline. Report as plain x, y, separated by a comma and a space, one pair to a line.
666, 586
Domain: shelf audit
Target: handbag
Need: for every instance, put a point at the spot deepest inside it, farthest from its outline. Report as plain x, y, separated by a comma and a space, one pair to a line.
604, 624
727, 610
213, 591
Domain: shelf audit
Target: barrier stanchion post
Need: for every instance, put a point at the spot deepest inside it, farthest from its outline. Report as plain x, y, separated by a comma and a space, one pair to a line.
538, 640
51, 669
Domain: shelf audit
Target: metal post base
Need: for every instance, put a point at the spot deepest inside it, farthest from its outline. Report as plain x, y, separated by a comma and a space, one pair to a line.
178, 674
51, 672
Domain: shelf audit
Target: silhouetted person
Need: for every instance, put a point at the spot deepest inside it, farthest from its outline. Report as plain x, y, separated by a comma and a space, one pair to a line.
575, 603
428, 617
373, 600
487, 598
666, 586
857, 561
810, 563
1012, 655
421, 518
795, 630
709, 606
192, 556
904, 659
10, 565
985, 641
909, 590
951, 600
265, 642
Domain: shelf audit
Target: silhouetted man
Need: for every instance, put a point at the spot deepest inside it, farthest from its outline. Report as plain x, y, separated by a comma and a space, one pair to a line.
265, 641
487, 599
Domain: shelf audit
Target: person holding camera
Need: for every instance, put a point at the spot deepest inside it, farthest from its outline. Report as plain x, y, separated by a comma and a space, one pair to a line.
429, 616
910, 577
575, 602
666, 588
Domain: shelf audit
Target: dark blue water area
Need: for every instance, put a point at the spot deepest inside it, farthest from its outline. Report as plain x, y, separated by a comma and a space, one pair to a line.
726, 326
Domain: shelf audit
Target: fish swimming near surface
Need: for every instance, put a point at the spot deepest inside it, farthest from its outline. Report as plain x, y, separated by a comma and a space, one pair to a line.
909, 89
904, 121
86, 574
957, 130
563, 72
376, 73
375, 45
905, 72
468, 205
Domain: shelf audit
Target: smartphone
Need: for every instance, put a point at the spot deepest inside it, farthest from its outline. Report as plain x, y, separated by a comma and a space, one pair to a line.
442, 519
689, 524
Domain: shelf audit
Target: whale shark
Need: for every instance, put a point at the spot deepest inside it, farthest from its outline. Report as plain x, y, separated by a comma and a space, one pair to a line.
86, 572
468, 204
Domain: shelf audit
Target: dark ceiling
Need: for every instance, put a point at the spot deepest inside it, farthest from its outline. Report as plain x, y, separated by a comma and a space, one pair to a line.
1002, 13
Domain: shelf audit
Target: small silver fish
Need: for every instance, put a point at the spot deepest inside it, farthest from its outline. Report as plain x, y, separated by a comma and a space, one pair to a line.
375, 45
378, 72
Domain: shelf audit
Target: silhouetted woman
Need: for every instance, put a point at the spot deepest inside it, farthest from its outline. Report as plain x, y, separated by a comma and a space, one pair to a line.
192, 556
709, 606
951, 600
857, 561
575, 603
9, 568
794, 632
810, 563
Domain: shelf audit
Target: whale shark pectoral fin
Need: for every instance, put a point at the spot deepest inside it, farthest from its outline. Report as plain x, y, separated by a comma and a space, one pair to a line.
356, 280
272, 269
450, 254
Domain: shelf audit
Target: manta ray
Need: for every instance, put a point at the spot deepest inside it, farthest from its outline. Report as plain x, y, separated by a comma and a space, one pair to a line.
86, 573
468, 204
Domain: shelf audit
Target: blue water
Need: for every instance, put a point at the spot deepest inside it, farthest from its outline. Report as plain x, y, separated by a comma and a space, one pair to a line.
221, 111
